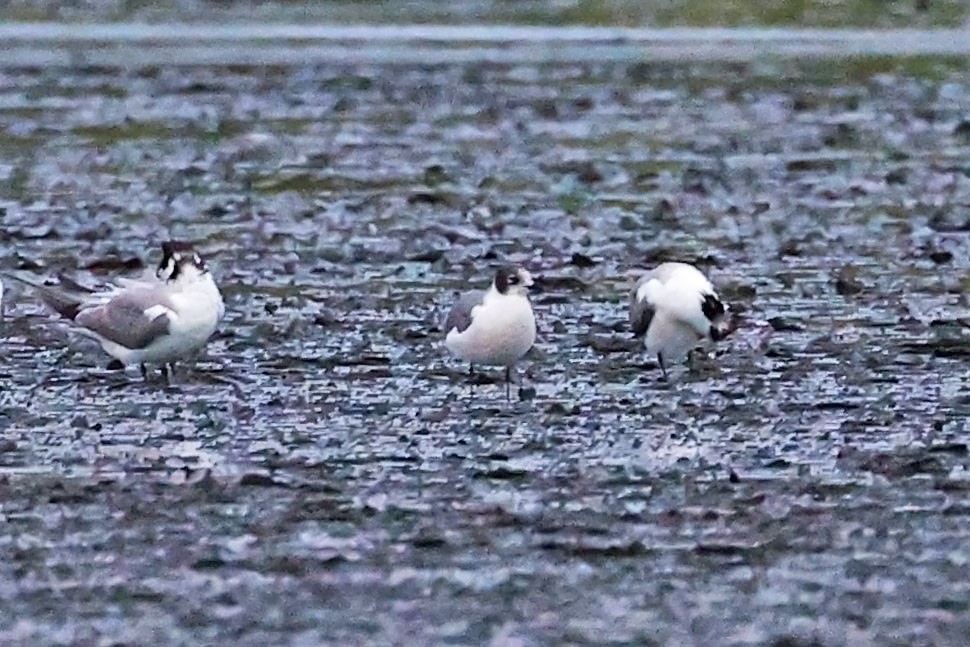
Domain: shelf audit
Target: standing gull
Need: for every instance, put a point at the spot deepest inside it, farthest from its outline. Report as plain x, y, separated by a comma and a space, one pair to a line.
676, 307
157, 319
495, 327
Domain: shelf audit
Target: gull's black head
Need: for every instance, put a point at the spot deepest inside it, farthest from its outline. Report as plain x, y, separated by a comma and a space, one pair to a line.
715, 312
512, 279
178, 255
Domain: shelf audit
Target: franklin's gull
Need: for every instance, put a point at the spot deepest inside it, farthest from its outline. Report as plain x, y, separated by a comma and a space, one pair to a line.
155, 319
496, 326
676, 307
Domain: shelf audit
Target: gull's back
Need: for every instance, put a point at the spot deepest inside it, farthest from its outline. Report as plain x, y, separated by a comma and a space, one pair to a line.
674, 290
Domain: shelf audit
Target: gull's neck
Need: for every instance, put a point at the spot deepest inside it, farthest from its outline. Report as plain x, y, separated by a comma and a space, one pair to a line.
188, 276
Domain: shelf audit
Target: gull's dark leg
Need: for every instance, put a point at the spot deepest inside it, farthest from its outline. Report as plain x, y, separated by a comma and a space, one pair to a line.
663, 369
690, 360
144, 372
471, 378
164, 372
508, 383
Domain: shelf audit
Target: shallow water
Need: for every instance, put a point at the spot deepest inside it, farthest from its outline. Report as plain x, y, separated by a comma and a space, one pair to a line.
176, 42
325, 473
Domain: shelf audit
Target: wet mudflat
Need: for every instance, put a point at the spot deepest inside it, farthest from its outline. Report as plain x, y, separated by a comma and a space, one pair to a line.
324, 474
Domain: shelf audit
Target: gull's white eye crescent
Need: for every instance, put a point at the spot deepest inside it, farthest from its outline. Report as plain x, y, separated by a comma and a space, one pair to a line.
166, 269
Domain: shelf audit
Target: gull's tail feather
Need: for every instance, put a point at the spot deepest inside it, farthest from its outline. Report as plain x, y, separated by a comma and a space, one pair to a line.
67, 283
62, 302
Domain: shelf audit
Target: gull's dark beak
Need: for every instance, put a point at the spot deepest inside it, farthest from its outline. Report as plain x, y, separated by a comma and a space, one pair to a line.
536, 287
726, 325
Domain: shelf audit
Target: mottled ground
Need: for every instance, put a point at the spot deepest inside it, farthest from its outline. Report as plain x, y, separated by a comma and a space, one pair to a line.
325, 475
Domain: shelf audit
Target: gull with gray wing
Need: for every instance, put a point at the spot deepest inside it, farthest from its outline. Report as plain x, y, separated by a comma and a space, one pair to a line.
496, 326
675, 307
157, 319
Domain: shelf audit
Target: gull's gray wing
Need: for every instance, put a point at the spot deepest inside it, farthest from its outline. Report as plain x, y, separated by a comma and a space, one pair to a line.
641, 310
124, 321
460, 316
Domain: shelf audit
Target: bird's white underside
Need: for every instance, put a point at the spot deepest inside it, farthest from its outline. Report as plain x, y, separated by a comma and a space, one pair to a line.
503, 329
675, 294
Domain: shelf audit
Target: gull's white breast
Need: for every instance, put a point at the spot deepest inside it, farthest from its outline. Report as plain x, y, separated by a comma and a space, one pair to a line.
503, 329
197, 311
